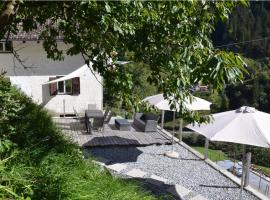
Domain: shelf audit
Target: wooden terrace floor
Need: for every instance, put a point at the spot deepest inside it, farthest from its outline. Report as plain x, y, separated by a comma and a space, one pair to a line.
111, 136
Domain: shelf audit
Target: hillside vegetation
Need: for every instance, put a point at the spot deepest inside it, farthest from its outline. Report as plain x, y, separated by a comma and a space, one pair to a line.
248, 27
37, 162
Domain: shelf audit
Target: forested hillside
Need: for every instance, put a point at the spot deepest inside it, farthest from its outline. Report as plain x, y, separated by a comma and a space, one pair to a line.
247, 32
245, 24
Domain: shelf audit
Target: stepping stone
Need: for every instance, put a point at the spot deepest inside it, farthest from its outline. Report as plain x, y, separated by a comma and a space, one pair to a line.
198, 197
99, 163
136, 173
156, 180
117, 167
102, 160
178, 190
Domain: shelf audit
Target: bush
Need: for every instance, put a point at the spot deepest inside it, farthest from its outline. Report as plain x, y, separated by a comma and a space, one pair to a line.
38, 162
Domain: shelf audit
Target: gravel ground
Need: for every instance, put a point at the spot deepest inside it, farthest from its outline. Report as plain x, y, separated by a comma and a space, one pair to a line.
188, 171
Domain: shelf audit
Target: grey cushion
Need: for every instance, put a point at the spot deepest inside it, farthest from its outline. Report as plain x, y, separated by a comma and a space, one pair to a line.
146, 122
149, 116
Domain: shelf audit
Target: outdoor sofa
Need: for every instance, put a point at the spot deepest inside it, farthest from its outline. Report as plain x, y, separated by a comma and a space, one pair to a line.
146, 122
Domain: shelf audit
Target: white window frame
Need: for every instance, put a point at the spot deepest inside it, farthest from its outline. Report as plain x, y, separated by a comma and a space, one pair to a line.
64, 92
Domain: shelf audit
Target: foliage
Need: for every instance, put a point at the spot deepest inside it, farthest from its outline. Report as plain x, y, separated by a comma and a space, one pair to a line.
172, 38
245, 24
37, 162
254, 91
141, 88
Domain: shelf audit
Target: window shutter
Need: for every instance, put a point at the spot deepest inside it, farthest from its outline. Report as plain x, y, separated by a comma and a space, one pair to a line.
53, 86
76, 86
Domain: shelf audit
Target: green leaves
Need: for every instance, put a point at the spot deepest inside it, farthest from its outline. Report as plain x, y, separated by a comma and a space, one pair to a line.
107, 7
172, 38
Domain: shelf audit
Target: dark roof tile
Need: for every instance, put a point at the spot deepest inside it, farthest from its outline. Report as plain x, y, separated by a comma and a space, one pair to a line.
31, 35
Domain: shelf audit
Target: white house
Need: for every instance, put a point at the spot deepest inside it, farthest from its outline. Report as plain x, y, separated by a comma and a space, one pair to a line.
58, 97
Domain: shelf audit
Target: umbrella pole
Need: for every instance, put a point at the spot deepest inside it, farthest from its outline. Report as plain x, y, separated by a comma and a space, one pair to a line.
243, 171
173, 129
206, 145
162, 118
248, 163
180, 130
172, 154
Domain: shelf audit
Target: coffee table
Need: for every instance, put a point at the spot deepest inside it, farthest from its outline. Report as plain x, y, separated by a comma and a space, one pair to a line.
122, 124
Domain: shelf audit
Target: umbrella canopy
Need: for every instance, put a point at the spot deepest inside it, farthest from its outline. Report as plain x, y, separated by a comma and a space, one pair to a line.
163, 104
245, 125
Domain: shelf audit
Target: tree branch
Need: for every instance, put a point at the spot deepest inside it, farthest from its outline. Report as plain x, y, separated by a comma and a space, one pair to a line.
88, 64
7, 14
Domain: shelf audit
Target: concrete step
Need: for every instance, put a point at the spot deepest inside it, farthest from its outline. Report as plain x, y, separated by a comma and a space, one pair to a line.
136, 173
156, 180
178, 191
116, 167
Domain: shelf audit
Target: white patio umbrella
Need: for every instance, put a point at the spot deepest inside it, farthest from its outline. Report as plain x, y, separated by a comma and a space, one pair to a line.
164, 104
161, 103
245, 125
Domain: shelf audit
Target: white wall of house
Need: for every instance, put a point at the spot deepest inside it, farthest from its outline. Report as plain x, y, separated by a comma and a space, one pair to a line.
90, 93
30, 81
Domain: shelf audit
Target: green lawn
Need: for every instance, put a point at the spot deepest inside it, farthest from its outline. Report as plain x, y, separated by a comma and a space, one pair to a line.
214, 155
217, 155
263, 169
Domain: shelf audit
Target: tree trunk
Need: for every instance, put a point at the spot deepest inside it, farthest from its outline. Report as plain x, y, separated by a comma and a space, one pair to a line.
7, 14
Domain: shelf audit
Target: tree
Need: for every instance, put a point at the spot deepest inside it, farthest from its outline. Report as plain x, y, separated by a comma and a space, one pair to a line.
255, 90
172, 38
246, 24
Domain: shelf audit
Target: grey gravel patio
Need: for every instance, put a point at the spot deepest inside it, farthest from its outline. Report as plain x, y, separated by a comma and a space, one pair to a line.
189, 171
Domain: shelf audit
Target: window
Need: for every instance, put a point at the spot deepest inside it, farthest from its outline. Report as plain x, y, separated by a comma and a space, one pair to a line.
68, 86
64, 87
5, 46
60, 87
71, 86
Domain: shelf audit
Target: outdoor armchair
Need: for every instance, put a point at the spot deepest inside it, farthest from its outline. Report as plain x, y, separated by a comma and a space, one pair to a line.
146, 122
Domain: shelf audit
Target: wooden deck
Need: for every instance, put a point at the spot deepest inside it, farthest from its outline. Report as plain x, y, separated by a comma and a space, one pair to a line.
111, 136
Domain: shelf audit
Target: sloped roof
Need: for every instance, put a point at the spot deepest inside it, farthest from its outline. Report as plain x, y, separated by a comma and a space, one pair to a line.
30, 35
36, 61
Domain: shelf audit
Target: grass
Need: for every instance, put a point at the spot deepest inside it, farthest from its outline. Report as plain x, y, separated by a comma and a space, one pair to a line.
67, 177
263, 169
218, 155
214, 155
